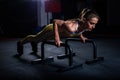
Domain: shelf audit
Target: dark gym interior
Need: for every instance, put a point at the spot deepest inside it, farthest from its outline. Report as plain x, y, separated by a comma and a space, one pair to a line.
19, 18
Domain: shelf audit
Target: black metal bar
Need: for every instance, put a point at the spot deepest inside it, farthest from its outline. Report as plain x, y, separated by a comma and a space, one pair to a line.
70, 55
51, 43
87, 41
67, 48
69, 52
95, 50
42, 51
67, 55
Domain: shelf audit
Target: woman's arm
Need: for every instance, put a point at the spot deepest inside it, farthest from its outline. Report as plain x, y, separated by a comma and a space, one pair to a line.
56, 24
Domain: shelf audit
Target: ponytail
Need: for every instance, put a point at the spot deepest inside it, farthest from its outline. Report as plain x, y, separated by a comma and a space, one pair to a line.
82, 14
87, 13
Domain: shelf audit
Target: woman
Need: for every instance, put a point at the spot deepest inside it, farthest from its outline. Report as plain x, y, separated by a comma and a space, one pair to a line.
61, 28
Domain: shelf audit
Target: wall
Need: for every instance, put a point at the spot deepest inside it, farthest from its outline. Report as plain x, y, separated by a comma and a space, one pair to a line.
43, 17
113, 13
18, 17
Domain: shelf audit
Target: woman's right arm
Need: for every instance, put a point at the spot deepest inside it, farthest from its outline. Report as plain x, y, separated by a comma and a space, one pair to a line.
56, 33
59, 25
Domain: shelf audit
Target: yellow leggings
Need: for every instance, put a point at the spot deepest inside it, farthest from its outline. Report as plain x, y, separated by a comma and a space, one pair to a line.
46, 34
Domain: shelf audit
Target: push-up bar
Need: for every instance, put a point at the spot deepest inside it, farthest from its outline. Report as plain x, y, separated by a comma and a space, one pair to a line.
67, 55
43, 59
51, 59
68, 52
67, 48
95, 57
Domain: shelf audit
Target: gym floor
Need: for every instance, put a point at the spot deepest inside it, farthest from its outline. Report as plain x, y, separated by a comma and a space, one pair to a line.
22, 68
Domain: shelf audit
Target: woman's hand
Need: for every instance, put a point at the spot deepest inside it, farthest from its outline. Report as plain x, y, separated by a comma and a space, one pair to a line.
58, 43
83, 38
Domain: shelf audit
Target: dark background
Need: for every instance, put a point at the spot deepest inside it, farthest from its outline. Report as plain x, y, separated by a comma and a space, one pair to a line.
19, 17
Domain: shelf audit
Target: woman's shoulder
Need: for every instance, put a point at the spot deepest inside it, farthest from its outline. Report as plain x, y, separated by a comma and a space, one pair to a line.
71, 21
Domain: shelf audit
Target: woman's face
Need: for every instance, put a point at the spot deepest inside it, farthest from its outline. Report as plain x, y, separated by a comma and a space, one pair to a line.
91, 23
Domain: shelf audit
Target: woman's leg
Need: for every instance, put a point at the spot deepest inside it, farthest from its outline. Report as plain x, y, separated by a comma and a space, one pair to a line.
20, 43
45, 34
34, 47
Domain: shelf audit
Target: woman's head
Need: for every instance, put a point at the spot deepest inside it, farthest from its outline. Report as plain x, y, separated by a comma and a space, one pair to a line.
90, 18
